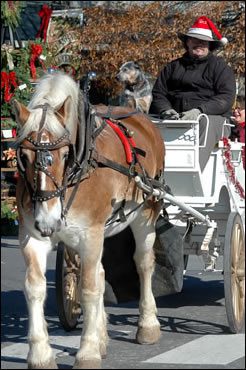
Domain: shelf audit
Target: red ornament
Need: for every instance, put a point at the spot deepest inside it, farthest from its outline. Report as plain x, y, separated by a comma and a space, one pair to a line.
36, 51
7, 81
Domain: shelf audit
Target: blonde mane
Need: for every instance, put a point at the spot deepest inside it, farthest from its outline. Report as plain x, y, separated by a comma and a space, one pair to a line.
52, 89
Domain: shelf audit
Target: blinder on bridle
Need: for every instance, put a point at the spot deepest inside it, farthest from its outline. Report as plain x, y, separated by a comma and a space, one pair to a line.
44, 159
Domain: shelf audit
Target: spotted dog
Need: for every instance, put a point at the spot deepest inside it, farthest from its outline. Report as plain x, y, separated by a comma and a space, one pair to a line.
138, 91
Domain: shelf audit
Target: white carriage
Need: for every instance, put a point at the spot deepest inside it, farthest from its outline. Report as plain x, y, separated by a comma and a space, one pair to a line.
206, 210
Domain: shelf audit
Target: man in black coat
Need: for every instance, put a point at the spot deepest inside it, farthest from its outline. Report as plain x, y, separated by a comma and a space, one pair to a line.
198, 82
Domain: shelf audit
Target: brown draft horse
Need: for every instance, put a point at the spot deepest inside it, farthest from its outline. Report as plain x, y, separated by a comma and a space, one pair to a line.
79, 196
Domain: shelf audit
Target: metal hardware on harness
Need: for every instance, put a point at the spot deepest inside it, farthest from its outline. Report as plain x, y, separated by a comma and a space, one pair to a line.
44, 159
48, 146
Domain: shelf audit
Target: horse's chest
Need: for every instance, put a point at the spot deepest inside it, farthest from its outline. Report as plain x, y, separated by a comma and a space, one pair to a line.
78, 231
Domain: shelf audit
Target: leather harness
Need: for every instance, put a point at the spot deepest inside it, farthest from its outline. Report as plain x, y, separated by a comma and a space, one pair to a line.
81, 163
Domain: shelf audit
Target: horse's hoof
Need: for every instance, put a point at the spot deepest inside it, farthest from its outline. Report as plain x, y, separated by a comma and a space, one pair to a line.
87, 364
148, 335
103, 351
48, 365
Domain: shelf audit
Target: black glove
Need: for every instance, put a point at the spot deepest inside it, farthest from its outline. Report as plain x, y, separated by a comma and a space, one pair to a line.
190, 114
169, 114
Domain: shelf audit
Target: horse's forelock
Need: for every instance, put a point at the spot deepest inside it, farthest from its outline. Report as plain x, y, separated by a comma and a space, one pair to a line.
54, 89
32, 124
51, 124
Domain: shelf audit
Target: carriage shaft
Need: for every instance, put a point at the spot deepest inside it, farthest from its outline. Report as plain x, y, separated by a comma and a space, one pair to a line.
160, 194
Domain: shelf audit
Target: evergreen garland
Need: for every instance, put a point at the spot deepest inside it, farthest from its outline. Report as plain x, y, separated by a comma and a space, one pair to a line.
21, 61
10, 12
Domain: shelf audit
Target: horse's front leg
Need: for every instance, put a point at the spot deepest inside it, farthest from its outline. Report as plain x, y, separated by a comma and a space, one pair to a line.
40, 354
148, 324
94, 335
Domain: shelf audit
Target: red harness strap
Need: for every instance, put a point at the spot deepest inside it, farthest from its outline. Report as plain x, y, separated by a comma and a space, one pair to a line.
128, 142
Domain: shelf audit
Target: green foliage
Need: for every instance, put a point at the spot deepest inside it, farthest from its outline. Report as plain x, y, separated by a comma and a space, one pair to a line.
21, 61
5, 109
10, 12
8, 211
8, 123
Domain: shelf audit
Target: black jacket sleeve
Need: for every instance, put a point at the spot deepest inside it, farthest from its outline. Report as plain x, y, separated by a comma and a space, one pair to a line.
160, 101
224, 89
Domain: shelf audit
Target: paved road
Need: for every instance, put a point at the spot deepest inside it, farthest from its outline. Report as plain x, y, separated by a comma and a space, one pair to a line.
194, 325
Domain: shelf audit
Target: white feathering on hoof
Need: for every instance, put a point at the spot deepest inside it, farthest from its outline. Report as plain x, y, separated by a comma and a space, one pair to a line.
224, 41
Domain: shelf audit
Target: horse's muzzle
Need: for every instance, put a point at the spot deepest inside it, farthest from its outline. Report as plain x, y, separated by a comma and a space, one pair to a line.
47, 230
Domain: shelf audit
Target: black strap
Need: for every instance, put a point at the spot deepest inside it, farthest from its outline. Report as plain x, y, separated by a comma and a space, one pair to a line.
45, 107
74, 191
105, 162
140, 151
109, 114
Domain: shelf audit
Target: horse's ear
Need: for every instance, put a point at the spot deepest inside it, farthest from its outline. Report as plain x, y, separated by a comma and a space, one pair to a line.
65, 109
20, 111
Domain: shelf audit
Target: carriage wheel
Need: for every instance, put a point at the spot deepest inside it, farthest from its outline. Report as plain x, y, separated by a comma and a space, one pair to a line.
67, 281
234, 272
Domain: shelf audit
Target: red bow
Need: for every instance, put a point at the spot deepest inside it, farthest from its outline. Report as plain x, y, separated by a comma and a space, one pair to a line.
36, 51
8, 80
45, 14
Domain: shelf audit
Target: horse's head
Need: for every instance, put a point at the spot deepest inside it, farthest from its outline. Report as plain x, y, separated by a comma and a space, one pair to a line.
45, 154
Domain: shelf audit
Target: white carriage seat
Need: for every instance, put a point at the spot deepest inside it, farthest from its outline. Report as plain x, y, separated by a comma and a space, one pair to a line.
182, 169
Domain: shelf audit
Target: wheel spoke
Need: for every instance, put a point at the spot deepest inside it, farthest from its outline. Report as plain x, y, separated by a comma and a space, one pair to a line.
235, 245
235, 299
238, 297
242, 288
240, 311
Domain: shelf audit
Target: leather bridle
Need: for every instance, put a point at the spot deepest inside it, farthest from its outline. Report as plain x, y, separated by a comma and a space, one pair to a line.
43, 158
